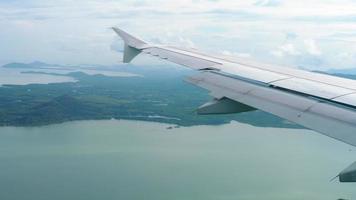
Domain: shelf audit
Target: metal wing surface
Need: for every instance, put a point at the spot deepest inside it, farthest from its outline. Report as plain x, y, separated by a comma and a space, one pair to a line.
321, 102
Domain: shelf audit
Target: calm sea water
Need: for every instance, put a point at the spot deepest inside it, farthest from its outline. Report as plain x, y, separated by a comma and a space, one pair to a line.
141, 160
15, 76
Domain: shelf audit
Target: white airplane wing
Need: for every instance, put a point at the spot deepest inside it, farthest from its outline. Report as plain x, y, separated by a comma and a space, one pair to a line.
324, 103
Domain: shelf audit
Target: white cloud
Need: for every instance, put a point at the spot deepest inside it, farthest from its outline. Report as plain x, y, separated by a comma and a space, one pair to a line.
277, 53
72, 32
311, 47
268, 3
186, 42
286, 49
289, 48
237, 54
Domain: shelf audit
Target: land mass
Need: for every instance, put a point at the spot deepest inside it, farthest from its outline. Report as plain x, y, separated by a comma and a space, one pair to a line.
156, 95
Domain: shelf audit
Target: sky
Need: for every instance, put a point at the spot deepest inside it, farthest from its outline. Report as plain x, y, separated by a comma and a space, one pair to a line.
309, 34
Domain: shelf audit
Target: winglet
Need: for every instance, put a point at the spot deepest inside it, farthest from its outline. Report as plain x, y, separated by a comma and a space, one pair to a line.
133, 45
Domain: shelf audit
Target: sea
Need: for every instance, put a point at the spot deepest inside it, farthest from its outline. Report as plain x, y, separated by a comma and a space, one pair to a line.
135, 160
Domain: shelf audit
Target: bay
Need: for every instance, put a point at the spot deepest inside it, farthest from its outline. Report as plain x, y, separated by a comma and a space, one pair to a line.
118, 159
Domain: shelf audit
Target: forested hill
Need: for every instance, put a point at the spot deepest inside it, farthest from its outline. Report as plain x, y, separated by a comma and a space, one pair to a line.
156, 95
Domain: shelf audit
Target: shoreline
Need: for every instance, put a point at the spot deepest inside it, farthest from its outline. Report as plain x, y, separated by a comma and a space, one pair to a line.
147, 120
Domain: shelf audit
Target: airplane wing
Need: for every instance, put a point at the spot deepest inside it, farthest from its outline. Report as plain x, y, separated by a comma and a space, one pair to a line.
324, 103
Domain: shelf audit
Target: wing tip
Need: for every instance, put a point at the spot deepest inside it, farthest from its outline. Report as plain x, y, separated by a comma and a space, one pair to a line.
129, 39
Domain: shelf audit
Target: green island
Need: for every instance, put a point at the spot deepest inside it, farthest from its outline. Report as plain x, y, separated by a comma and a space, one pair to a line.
158, 94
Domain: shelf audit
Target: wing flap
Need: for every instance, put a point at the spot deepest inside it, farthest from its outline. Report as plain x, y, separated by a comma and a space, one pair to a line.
333, 121
289, 71
349, 99
252, 74
238, 90
312, 88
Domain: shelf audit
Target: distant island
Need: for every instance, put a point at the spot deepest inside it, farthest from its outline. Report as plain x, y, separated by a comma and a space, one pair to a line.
156, 95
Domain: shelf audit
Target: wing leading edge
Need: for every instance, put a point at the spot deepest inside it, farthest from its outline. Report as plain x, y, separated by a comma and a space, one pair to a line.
320, 102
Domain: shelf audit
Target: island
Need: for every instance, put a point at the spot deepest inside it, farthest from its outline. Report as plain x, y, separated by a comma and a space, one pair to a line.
155, 94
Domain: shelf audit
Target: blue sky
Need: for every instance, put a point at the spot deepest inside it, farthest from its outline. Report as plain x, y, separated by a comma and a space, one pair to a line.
313, 34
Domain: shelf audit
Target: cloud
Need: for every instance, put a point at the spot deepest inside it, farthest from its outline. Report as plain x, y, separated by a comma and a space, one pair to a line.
312, 48
186, 42
286, 49
291, 36
73, 32
277, 53
268, 3
117, 45
232, 54
289, 48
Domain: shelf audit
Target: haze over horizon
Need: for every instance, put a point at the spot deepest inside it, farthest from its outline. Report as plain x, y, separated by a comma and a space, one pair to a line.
313, 34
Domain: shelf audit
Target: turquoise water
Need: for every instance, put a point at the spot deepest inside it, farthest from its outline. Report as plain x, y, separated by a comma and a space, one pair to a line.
142, 160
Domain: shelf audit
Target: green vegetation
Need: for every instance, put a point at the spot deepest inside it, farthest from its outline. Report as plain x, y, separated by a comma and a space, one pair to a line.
159, 95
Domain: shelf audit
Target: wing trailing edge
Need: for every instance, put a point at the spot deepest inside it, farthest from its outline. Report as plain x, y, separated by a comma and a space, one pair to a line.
321, 102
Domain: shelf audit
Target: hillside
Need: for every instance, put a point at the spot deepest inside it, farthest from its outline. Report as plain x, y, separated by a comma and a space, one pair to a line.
158, 95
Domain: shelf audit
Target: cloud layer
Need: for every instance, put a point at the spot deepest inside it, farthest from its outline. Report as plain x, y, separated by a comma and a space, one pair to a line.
314, 34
